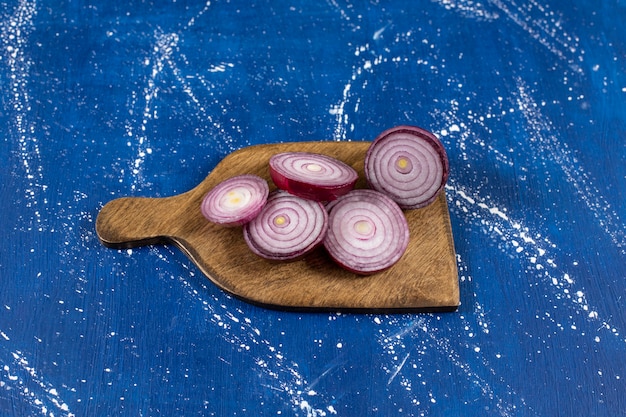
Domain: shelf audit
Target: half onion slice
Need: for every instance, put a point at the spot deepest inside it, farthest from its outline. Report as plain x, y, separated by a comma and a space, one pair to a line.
367, 232
236, 200
313, 176
287, 228
409, 164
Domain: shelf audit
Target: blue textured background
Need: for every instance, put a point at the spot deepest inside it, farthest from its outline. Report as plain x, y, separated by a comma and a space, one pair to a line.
106, 99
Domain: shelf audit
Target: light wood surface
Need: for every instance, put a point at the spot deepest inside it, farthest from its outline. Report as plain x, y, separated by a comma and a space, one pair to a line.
425, 279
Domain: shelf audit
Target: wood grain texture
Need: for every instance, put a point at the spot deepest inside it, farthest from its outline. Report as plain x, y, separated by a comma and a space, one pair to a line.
425, 279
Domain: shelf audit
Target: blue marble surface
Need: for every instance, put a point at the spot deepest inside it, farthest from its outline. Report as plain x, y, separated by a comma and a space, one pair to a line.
107, 99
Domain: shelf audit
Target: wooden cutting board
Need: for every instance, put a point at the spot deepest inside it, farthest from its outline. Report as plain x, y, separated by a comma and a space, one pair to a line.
425, 278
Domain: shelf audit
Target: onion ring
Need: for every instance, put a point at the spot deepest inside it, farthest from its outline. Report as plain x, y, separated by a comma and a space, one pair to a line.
235, 201
287, 228
312, 176
367, 232
409, 164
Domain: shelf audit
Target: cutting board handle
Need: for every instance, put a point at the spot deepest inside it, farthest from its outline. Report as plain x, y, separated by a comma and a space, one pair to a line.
137, 221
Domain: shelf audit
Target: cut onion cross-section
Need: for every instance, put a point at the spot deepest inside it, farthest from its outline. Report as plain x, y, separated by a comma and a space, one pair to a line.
313, 176
367, 232
287, 228
235, 201
409, 164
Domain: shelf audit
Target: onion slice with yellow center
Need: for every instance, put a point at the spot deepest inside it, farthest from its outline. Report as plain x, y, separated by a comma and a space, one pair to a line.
235, 201
287, 228
312, 176
409, 164
367, 232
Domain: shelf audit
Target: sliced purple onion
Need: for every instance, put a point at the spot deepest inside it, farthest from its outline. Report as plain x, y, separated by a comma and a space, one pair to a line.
367, 232
287, 228
409, 164
313, 176
235, 201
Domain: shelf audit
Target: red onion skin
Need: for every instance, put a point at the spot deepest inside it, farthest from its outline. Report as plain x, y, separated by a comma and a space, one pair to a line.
354, 263
293, 255
418, 134
310, 189
254, 183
